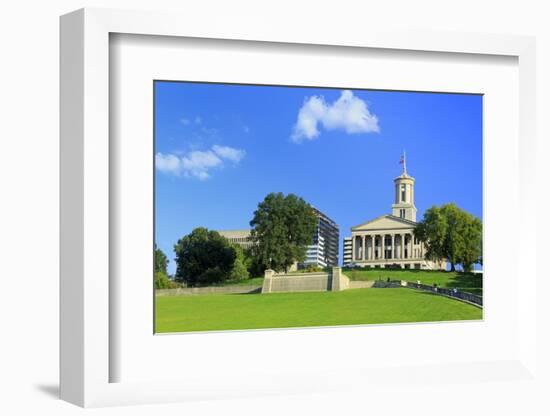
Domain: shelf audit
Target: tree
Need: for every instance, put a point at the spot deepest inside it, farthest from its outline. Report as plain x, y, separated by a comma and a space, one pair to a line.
451, 233
471, 252
432, 231
282, 228
239, 270
162, 281
203, 257
161, 261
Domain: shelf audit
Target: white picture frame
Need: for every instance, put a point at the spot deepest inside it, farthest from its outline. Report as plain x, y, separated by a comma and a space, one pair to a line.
86, 352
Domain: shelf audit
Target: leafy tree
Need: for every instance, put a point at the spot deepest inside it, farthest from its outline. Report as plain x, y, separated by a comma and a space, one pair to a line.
162, 281
203, 257
161, 261
282, 228
451, 233
239, 270
432, 231
471, 252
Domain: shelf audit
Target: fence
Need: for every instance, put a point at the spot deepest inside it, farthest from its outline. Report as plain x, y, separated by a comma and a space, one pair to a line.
452, 293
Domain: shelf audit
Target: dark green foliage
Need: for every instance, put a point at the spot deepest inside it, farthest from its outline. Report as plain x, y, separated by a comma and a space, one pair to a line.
452, 234
203, 257
252, 263
161, 261
211, 276
282, 228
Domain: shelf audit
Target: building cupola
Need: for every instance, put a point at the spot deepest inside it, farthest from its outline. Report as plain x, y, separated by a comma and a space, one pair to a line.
403, 206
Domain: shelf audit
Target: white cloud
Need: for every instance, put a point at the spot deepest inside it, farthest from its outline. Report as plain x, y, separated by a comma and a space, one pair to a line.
348, 113
187, 121
198, 163
229, 153
168, 163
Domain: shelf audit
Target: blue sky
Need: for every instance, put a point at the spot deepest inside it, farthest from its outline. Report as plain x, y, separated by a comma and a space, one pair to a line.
221, 148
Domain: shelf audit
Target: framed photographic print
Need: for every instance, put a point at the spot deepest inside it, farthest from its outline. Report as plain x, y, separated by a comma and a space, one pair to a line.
251, 192
276, 213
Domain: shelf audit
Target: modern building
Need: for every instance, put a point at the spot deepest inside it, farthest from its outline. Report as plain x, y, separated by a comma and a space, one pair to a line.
242, 238
388, 240
325, 247
322, 252
346, 254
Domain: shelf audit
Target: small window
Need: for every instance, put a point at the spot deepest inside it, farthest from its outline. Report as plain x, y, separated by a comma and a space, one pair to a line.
403, 193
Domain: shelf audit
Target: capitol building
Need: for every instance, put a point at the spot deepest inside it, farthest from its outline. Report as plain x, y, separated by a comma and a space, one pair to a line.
388, 240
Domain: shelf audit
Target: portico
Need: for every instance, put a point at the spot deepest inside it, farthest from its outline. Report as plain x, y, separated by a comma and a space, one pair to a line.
386, 247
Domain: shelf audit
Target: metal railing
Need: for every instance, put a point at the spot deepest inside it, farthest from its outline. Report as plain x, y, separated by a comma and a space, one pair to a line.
452, 293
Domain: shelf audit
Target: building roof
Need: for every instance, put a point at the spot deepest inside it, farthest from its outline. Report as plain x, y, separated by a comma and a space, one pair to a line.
234, 233
386, 221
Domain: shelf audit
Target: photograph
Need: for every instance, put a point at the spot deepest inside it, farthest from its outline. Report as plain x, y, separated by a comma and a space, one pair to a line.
279, 206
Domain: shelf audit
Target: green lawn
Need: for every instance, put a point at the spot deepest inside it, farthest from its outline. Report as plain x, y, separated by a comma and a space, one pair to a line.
284, 310
465, 282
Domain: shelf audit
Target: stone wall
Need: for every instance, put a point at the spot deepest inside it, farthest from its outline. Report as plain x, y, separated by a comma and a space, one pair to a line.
209, 290
305, 282
361, 284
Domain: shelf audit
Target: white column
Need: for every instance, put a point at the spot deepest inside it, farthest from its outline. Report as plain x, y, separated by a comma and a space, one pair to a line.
352, 247
372, 247
393, 246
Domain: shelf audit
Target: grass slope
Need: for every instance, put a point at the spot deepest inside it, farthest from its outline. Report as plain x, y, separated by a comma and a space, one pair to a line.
285, 310
462, 281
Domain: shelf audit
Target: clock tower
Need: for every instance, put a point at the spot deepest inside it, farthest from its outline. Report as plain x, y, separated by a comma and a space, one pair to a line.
403, 206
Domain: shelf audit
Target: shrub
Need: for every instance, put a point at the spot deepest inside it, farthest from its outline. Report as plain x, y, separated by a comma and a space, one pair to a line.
310, 268
238, 272
162, 281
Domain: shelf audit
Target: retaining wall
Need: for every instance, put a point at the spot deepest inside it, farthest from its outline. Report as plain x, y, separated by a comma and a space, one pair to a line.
209, 290
305, 282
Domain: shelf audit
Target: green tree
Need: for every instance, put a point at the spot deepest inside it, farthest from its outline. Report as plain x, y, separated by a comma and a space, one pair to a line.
161, 261
472, 249
203, 257
451, 233
162, 281
432, 231
282, 228
239, 270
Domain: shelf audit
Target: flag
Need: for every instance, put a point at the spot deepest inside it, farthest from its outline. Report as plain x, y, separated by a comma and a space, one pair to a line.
402, 160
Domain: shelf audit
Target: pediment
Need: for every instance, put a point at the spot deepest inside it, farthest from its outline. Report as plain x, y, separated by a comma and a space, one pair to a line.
385, 222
